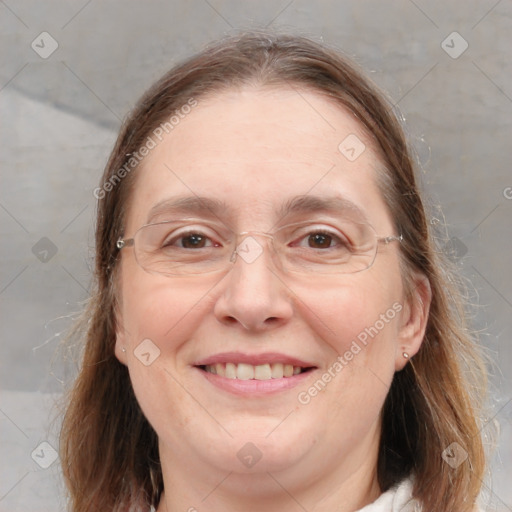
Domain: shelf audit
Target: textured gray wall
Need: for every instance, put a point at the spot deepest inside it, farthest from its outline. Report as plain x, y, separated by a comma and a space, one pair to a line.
60, 113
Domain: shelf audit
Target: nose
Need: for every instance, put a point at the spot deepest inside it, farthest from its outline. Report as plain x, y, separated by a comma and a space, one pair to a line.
254, 295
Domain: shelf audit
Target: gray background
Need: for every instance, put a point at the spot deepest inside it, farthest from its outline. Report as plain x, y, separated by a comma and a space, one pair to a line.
59, 120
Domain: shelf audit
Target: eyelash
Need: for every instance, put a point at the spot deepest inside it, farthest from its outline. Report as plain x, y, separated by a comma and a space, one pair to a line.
175, 239
335, 238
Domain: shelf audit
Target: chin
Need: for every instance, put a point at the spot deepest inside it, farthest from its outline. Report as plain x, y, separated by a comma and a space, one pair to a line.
256, 450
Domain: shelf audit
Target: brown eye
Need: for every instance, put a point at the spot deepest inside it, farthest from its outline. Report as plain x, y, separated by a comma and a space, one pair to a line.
320, 240
193, 241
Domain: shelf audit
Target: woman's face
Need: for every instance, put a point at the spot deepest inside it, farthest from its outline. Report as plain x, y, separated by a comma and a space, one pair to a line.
268, 157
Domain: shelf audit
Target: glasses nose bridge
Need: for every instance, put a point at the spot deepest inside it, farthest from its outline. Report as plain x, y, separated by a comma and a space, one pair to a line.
265, 234
248, 248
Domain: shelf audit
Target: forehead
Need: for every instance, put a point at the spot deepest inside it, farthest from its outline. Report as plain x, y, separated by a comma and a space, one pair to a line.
255, 149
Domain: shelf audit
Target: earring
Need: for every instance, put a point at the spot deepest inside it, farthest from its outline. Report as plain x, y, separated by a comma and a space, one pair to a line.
123, 350
405, 355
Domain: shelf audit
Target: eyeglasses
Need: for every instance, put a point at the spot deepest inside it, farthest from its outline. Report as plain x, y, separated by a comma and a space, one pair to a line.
195, 246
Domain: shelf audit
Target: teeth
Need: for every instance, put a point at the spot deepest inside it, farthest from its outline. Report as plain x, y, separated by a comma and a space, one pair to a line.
276, 371
230, 371
220, 369
244, 371
263, 372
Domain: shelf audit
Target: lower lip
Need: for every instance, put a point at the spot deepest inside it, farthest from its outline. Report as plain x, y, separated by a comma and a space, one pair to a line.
253, 386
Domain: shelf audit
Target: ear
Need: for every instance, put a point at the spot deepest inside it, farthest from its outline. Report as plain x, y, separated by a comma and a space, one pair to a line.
413, 321
120, 347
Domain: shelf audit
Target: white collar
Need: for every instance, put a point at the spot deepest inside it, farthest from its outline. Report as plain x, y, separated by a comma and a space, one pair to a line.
396, 499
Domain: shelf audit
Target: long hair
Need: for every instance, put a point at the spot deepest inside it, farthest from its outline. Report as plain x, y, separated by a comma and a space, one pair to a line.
109, 450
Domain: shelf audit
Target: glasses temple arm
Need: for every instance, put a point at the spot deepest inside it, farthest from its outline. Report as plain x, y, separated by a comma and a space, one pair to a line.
388, 239
127, 242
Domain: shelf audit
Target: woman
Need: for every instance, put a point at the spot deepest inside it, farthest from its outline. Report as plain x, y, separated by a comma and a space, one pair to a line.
272, 328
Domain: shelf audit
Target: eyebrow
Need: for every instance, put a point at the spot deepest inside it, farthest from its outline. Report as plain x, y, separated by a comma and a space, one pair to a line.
187, 205
314, 204
207, 206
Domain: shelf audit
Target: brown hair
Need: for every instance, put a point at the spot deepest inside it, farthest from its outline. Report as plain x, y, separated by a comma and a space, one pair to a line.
110, 452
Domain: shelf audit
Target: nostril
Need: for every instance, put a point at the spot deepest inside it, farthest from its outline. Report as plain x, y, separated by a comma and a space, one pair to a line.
231, 320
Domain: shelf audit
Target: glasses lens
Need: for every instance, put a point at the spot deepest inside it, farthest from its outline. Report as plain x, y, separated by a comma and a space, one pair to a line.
338, 247
181, 247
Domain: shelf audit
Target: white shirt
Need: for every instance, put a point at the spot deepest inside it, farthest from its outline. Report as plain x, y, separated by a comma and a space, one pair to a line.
397, 499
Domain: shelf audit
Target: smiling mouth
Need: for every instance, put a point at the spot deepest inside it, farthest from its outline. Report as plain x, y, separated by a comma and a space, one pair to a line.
243, 371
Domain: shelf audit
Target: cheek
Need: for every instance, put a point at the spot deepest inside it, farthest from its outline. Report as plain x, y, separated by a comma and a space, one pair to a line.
163, 401
160, 309
358, 322
159, 317
361, 310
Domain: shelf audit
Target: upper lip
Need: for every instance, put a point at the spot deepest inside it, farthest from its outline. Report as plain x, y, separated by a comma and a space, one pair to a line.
253, 359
